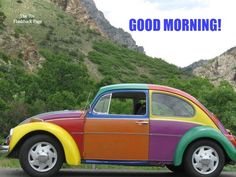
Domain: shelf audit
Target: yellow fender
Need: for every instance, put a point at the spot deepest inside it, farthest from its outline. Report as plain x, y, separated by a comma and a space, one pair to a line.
72, 154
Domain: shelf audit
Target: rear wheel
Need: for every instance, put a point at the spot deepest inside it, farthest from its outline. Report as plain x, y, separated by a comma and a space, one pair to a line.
204, 158
41, 156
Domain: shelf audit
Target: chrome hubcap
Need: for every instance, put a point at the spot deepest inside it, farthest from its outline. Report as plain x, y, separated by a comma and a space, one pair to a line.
205, 160
42, 156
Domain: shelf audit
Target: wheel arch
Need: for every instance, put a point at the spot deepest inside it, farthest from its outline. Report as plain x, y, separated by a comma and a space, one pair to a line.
209, 139
15, 151
199, 133
23, 132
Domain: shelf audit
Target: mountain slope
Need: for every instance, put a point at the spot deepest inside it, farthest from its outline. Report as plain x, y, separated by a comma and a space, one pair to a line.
190, 68
85, 11
220, 68
49, 60
62, 32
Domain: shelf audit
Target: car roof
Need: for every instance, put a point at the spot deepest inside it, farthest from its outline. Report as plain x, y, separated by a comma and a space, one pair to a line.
140, 86
133, 86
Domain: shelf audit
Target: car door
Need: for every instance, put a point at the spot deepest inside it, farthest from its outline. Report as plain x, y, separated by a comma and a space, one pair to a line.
117, 126
171, 116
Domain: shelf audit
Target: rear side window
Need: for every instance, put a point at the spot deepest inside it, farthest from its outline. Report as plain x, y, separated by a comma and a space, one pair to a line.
171, 106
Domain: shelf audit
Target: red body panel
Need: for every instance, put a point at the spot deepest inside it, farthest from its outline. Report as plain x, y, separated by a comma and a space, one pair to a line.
75, 126
232, 139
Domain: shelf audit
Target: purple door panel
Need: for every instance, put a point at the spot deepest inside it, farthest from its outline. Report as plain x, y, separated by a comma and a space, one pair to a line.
164, 137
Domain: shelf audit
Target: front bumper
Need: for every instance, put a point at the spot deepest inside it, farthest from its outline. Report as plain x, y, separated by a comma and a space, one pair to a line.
4, 150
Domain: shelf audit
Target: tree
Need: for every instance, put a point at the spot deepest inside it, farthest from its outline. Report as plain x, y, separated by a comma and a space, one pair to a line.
61, 73
61, 101
2, 19
222, 102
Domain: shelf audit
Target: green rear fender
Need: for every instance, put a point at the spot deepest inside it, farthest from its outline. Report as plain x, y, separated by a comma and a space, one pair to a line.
203, 132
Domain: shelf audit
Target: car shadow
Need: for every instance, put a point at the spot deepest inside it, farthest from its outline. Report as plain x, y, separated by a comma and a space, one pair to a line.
123, 173
114, 173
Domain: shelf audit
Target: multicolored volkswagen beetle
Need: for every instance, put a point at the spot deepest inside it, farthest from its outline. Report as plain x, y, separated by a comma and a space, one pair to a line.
131, 124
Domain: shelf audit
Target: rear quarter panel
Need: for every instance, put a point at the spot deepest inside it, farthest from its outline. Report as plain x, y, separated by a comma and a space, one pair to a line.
166, 132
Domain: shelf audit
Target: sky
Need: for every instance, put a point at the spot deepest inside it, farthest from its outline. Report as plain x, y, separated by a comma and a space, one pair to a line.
181, 48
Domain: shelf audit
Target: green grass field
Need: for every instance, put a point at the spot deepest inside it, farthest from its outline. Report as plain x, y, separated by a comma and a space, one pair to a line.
14, 163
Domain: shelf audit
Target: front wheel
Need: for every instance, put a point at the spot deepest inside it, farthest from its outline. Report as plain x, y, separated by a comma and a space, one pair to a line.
41, 156
204, 158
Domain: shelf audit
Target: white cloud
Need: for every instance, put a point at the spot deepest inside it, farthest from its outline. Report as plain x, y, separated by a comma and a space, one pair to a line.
180, 48
179, 4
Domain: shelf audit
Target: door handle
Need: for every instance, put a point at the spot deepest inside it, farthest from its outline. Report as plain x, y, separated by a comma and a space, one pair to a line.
142, 122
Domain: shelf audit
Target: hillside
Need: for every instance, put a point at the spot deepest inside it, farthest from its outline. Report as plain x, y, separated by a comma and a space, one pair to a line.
190, 68
49, 60
85, 11
60, 32
217, 69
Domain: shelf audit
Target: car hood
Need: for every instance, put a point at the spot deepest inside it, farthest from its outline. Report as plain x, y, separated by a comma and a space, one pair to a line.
59, 115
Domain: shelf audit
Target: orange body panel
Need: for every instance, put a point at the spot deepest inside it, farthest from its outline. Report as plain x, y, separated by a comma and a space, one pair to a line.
116, 139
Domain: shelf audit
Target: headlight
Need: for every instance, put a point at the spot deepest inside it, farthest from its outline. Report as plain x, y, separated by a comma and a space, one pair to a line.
11, 132
8, 138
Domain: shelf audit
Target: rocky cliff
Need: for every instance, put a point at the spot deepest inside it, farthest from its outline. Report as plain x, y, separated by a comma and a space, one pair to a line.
190, 68
217, 69
21, 47
85, 11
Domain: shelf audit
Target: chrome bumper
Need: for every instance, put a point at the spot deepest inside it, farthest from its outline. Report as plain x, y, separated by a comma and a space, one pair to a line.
3, 149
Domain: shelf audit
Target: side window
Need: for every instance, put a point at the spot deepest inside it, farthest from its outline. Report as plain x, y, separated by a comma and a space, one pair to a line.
102, 106
122, 103
172, 106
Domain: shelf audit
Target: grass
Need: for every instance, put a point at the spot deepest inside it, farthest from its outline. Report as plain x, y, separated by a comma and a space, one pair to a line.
230, 168
9, 163
14, 163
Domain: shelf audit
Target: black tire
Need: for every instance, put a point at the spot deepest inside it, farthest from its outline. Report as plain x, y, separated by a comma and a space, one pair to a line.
176, 169
41, 141
205, 159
